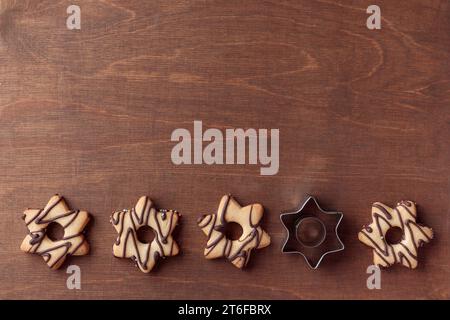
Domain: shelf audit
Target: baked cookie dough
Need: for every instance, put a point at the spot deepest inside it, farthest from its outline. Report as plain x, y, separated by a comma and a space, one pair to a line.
414, 235
236, 251
127, 223
72, 221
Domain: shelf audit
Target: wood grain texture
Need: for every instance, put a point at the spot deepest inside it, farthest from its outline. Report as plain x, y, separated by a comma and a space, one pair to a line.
364, 116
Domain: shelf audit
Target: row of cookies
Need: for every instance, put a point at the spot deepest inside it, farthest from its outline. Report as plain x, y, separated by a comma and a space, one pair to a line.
311, 232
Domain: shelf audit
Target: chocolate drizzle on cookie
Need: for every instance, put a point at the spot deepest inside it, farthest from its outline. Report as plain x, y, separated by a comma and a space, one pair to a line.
72, 221
128, 222
414, 235
236, 251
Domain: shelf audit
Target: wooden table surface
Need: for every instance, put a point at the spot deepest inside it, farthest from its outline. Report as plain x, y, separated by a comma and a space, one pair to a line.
364, 116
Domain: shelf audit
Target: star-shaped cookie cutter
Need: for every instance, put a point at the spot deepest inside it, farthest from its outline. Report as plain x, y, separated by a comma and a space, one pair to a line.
312, 232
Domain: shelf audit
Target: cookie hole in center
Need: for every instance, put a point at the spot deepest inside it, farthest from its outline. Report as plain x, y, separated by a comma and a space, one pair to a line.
233, 230
394, 235
145, 234
55, 231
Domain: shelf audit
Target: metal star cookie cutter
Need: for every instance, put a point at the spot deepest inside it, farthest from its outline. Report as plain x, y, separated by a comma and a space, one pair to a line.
312, 232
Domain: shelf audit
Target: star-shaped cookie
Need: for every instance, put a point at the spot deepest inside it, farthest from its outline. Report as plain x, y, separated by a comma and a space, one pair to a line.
384, 218
236, 251
127, 223
320, 225
72, 221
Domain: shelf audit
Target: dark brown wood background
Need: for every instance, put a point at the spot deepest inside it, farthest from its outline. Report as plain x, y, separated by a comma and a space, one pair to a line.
363, 115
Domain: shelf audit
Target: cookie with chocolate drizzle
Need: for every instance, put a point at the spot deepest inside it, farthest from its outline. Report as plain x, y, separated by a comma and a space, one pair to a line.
72, 221
236, 251
127, 223
414, 235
